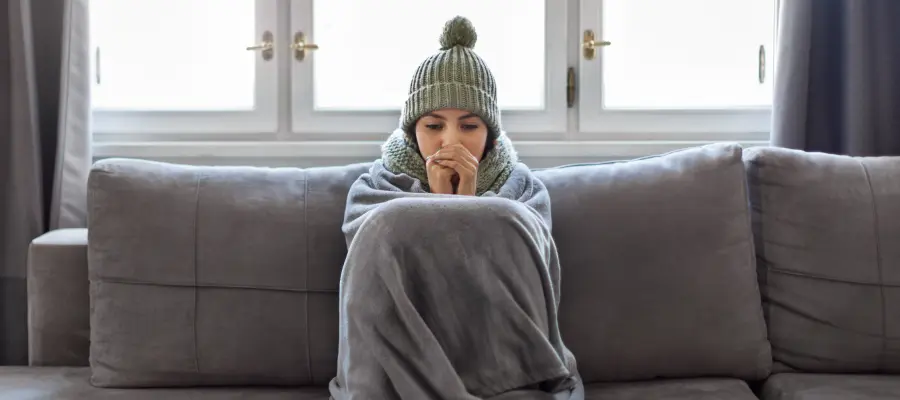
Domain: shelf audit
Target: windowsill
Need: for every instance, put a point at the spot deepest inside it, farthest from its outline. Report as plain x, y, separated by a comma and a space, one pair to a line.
371, 149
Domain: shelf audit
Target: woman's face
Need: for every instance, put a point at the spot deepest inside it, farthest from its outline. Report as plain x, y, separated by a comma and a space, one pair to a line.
451, 126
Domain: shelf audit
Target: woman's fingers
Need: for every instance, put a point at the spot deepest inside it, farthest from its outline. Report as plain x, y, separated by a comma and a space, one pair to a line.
458, 154
435, 166
443, 155
461, 168
462, 151
457, 166
458, 160
439, 177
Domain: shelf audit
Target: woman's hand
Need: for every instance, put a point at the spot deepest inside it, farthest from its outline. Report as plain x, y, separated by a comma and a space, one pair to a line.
440, 178
458, 159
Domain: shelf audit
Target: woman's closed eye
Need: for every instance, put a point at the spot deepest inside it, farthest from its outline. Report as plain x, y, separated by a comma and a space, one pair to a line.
464, 127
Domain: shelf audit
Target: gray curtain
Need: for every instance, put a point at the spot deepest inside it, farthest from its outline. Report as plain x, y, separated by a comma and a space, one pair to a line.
44, 142
837, 79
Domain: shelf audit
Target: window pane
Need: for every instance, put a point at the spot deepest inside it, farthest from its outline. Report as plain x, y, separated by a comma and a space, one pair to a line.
370, 49
686, 54
179, 55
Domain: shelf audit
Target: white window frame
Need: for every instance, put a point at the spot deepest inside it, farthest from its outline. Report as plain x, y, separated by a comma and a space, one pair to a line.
598, 123
547, 124
262, 120
285, 127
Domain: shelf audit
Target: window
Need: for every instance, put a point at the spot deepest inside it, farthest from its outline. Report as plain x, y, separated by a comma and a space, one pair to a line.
308, 72
677, 69
181, 66
358, 78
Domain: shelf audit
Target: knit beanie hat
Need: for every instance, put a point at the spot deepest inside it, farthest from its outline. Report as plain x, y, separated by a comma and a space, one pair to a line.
454, 77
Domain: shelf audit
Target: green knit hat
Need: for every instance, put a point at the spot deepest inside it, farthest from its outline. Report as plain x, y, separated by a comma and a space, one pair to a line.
455, 77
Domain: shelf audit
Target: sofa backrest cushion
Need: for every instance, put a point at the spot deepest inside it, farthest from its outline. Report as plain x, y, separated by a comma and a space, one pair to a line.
214, 275
827, 231
658, 276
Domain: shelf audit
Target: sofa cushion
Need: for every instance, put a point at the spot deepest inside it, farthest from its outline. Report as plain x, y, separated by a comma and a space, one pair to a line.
831, 387
676, 389
827, 230
59, 383
214, 275
31, 383
658, 273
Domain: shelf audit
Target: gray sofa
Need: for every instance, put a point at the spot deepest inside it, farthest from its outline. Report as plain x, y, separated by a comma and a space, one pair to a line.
709, 273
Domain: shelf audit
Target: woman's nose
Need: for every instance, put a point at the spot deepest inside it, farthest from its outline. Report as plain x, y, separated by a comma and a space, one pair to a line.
450, 138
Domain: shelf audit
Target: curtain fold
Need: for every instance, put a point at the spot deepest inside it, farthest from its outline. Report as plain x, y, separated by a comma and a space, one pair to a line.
73, 151
44, 142
837, 80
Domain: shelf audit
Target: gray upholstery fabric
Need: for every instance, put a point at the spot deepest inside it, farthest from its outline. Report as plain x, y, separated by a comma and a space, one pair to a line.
658, 277
827, 230
654, 258
677, 389
22, 383
831, 387
58, 301
214, 275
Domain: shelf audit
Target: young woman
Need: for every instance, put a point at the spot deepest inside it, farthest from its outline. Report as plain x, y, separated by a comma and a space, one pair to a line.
450, 288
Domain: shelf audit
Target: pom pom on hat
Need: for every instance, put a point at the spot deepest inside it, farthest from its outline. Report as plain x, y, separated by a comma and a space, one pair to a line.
458, 32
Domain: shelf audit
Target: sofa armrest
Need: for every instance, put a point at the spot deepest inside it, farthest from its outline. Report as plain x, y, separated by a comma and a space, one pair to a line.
58, 299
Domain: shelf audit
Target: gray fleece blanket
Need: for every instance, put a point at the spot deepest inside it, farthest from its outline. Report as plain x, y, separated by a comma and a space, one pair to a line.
450, 297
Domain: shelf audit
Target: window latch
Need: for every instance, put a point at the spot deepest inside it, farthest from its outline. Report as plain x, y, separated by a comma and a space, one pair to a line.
267, 47
97, 64
300, 46
590, 44
570, 87
762, 64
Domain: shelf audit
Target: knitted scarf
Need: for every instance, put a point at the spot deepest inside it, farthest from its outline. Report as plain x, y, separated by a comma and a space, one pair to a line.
400, 155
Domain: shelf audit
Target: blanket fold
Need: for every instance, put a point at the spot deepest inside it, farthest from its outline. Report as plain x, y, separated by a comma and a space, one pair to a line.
450, 297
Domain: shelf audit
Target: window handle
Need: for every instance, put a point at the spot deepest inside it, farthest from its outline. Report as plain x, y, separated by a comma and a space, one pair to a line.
300, 46
589, 44
762, 64
97, 64
266, 47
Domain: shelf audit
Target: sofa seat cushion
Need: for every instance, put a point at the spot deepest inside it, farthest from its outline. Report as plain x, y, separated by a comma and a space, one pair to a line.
676, 389
61, 383
792, 386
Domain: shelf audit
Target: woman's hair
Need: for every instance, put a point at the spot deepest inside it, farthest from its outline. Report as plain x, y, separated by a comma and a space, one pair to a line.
488, 145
